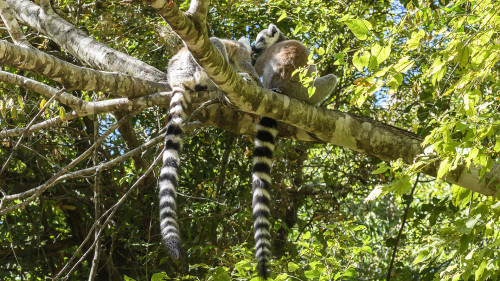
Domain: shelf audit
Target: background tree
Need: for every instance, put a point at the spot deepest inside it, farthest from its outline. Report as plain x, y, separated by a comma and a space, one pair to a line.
81, 128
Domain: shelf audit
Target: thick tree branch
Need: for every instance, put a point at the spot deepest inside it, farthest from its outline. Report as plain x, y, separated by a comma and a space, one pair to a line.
97, 107
339, 128
199, 9
10, 22
76, 77
80, 45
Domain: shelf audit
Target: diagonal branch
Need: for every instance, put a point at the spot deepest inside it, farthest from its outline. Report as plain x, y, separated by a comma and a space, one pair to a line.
12, 26
344, 129
80, 45
199, 9
25, 131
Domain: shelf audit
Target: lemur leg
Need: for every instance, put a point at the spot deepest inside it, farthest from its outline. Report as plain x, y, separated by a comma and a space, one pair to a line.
324, 87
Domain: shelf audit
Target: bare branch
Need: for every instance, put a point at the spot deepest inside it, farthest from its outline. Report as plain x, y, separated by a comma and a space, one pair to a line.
10, 22
88, 108
80, 45
49, 92
76, 77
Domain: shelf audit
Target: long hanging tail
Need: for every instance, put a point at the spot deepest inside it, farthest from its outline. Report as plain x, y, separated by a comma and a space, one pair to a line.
261, 185
168, 181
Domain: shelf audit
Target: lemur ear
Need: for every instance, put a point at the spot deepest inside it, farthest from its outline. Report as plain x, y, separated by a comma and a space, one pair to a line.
273, 29
243, 40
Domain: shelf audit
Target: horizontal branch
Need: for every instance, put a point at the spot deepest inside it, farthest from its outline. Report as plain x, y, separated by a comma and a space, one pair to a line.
76, 77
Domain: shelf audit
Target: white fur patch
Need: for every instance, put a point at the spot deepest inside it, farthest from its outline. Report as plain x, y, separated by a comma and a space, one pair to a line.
258, 176
261, 192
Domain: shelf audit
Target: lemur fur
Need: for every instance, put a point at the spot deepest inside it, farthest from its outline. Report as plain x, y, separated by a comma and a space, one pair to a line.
279, 58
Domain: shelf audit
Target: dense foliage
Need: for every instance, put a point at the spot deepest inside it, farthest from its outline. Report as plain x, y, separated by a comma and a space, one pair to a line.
429, 67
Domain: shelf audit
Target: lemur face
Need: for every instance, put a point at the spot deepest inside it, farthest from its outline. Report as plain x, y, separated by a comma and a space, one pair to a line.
266, 38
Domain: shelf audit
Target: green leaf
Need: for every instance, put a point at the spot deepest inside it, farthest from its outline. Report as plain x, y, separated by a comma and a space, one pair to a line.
126, 278
463, 56
421, 257
161, 276
311, 274
20, 100
221, 274
62, 113
472, 221
444, 167
292, 266
414, 41
381, 53
351, 272
361, 60
283, 16
497, 145
360, 28
480, 271
382, 167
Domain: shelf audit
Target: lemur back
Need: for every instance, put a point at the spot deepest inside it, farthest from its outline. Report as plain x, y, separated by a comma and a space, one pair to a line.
185, 75
278, 60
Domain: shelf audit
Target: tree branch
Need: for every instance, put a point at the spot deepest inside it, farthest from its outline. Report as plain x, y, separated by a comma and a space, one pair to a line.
80, 45
76, 77
111, 212
12, 26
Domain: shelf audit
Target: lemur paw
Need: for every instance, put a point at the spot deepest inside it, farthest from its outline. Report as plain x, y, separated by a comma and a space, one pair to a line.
248, 79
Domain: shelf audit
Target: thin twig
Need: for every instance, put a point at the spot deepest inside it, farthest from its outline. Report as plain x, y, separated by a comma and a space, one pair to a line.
97, 192
89, 171
407, 209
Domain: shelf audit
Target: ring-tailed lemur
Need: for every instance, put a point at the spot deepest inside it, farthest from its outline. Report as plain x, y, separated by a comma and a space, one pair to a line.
185, 74
279, 58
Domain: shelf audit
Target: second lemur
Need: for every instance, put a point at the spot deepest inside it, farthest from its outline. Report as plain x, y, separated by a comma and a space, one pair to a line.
279, 58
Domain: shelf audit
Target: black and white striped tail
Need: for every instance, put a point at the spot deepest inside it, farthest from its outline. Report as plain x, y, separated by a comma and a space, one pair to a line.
261, 185
168, 175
